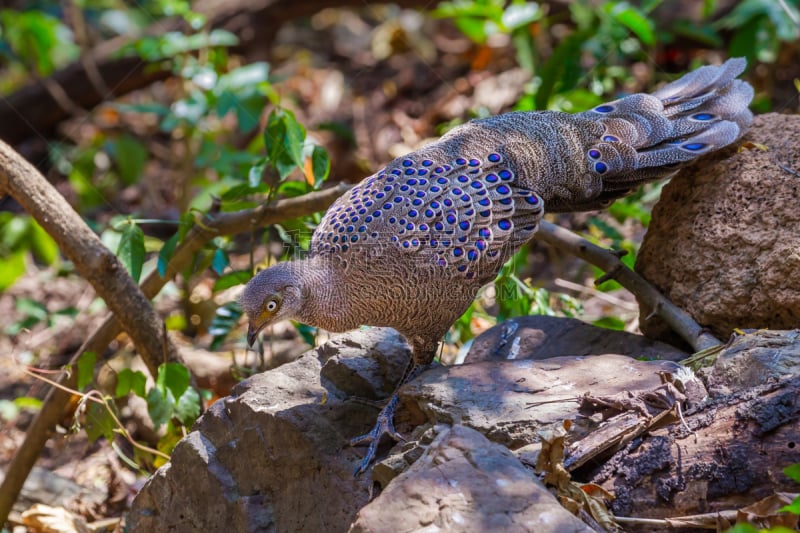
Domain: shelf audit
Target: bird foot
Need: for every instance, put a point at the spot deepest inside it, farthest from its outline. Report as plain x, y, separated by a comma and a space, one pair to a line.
383, 426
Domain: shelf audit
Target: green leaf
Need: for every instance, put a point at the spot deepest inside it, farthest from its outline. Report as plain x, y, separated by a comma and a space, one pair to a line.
31, 308
256, 173
283, 139
793, 472
173, 377
42, 245
99, 422
225, 320
129, 381
12, 266
519, 15
307, 333
188, 407
166, 253
220, 261
610, 322
131, 157
160, 406
793, 507
85, 369
561, 68
131, 250
27, 402
320, 164
232, 279
633, 19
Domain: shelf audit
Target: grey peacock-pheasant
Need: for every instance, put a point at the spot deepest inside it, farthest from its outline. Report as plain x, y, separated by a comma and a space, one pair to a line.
410, 246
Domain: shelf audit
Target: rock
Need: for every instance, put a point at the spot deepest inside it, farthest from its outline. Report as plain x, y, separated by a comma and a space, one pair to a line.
723, 242
540, 337
753, 359
463, 482
274, 455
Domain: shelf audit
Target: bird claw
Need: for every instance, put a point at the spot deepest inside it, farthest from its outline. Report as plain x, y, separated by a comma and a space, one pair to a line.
383, 426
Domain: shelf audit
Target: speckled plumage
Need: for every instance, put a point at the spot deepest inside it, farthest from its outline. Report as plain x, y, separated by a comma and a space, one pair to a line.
410, 246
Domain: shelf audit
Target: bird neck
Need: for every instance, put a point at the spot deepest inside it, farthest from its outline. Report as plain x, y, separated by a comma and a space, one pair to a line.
320, 293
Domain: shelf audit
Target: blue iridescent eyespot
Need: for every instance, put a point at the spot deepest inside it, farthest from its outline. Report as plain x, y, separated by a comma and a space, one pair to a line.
485, 232
476, 184
458, 252
457, 192
533, 200
426, 162
362, 229
438, 170
417, 202
474, 162
422, 172
461, 161
423, 227
344, 247
434, 243
435, 204
415, 242
600, 167
694, 146
502, 189
377, 213
407, 162
412, 213
412, 181
380, 195
484, 202
464, 225
469, 212
451, 219
404, 188
604, 108
420, 194
491, 178
396, 172
439, 226
703, 116
447, 202
422, 181
336, 239
406, 244
394, 238
505, 174
387, 188
494, 158
392, 220
462, 268
442, 181
354, 219
463, 238
504, 225
387, 206
409, 226
398, 200
410, 172
463, 179
429, 213
434, 188
505, 201
472, 255
465, 198
442, 262
485, 213
610, 139
594, 154
368, 219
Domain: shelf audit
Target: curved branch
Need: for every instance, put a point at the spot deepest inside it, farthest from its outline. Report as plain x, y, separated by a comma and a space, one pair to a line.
607, 260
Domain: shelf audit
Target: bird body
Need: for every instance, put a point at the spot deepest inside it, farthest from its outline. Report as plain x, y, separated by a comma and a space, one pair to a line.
410, 246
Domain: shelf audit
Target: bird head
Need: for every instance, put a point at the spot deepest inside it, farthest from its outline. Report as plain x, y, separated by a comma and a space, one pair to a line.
272, 295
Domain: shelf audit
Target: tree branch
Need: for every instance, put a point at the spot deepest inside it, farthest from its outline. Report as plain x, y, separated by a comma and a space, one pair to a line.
645, 293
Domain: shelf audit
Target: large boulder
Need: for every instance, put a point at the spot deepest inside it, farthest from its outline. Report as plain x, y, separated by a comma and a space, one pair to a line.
724, 243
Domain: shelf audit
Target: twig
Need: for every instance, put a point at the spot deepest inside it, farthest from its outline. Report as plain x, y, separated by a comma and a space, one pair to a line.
645, 293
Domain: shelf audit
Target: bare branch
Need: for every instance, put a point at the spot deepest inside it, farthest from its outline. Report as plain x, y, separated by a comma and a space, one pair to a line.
645, 293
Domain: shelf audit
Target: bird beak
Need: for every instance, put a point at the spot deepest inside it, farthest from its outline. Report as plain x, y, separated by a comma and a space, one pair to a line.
252, 333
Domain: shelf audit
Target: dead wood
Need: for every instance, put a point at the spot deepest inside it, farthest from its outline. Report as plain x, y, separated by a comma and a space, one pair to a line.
731, 454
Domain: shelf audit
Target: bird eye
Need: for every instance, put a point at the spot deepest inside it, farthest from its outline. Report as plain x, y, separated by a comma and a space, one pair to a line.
272, 305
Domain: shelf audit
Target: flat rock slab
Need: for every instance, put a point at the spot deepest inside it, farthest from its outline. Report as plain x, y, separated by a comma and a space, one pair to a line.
510, 401
463, 482
542, 337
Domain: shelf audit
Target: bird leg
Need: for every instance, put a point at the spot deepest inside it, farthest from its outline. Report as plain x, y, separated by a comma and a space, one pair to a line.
385, 422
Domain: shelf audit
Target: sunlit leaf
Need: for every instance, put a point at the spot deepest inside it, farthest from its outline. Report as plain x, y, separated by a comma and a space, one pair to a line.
85, 369
633, 19
131, 250
130, 381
